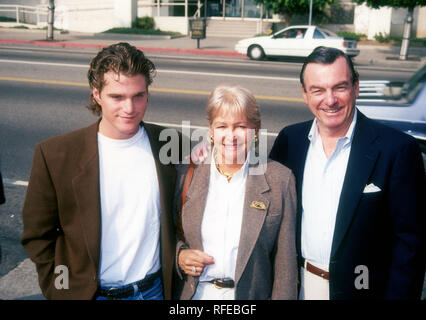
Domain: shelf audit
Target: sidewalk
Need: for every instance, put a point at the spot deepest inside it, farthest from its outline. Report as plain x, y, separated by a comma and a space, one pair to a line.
212, 46
21, 283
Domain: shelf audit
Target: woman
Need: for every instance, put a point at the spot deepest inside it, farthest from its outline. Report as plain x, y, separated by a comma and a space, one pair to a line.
238, 218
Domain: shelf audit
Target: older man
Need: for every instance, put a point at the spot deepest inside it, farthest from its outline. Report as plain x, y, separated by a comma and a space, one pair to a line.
361, 188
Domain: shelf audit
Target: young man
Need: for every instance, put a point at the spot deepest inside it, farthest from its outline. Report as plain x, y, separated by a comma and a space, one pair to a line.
97, 214
361, 186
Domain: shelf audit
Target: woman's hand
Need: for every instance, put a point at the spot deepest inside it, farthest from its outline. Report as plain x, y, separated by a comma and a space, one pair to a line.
192, 262
200, 152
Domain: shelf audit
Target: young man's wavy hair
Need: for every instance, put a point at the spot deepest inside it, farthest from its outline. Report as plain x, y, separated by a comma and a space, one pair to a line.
119, 58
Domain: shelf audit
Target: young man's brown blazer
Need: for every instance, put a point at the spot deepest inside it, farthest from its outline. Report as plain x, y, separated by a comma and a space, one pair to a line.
61, 215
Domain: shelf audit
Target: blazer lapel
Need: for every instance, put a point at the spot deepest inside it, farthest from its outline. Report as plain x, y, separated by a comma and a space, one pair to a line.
166, 180
86, 190
298, 157
193, 208
253, 218
361, 162
166, 176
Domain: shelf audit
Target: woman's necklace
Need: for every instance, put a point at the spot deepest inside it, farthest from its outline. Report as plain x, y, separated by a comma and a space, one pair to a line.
228, 176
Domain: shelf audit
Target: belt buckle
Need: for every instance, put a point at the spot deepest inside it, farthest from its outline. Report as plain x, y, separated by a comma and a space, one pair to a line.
110, 293
216, 285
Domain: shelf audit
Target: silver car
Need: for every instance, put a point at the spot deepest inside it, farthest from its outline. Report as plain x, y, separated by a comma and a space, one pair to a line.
399, 105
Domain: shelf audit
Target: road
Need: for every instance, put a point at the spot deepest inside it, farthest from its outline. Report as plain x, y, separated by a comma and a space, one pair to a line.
43, 92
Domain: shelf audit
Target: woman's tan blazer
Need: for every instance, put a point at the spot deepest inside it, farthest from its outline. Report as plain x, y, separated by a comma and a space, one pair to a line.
266, 265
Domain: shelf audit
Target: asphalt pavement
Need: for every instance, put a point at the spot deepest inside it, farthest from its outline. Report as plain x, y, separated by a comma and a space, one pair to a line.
21, 282
373, 55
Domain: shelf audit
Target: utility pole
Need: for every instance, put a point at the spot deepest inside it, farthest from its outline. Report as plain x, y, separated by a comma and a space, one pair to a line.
310, 12
50, 19
406, 35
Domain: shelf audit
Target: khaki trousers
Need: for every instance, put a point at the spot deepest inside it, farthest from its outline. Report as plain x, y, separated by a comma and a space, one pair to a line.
313, 287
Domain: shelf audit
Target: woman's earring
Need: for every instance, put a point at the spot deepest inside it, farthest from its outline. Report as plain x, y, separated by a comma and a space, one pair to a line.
256, 139
211, 139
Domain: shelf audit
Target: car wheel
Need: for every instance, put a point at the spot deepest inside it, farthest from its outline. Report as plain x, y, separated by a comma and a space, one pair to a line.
255, 52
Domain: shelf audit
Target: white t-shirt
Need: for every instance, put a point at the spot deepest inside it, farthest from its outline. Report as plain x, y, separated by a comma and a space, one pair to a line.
130, 210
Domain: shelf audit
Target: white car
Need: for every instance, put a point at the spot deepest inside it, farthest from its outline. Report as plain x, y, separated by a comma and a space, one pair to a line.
295, 41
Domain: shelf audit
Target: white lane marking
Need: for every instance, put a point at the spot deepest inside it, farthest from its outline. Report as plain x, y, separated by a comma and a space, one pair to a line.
15, 182
229, 75
246, 76
56, 64
181, 58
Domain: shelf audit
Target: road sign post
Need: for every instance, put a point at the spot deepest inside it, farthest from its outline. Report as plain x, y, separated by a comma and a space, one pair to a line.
198, 29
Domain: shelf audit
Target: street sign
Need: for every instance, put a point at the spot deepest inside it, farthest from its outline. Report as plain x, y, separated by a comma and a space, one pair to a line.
198, 28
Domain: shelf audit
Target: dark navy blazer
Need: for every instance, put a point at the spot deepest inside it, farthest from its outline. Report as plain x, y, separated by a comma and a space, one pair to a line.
2, 198
384, 231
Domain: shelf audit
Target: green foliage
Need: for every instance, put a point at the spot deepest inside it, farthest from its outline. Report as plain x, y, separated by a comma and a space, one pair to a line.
7, 19
141, 31
352, 35
392, 40
145, 23
419, 41
382, 37
392, 3
288, 8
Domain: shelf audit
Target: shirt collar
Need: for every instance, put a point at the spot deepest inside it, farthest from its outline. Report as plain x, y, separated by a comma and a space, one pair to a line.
313, 132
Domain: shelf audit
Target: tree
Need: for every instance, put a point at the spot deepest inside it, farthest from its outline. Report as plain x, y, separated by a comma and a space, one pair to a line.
289, 8
50, 19
410, 5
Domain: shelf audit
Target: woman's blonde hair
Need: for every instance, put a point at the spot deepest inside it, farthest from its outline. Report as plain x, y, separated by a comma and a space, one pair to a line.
234, 99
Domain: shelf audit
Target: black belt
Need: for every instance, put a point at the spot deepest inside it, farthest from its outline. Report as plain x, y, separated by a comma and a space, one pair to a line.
222, 283
128, 290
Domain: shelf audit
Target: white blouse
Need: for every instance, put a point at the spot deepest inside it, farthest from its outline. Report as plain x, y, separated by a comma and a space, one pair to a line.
222, 219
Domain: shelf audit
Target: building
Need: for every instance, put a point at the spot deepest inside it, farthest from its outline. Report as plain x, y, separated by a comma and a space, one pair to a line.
225, 18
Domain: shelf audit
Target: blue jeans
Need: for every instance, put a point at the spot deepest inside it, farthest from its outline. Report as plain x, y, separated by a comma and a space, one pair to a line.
153, 293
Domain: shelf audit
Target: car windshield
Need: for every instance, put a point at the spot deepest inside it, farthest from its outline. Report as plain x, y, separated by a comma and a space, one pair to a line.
412, 87
328, 32
292, 33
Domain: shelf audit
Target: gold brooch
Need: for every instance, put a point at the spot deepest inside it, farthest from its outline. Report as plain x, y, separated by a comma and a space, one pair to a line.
258, 205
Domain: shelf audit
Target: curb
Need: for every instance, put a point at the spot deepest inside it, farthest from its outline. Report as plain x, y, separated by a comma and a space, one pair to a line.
100, 46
